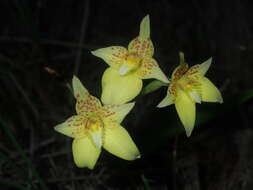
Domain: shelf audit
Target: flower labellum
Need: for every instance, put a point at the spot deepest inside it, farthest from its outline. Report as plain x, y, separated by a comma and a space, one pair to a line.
122, 81
187, 87
96, 126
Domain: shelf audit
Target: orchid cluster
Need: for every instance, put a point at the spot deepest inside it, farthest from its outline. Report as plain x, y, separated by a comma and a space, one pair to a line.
97, 124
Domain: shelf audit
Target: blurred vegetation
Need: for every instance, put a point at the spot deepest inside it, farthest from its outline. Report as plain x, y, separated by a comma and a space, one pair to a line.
43, 43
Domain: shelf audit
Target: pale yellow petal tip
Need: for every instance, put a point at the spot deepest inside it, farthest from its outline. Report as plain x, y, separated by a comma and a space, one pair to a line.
63, 130
188, 129
130, 105
135, 156
56, 128
138, 156
167, 100
162, 104
188, 133
96, 52
145, 27
165, 80
76, 81
145, 20
205, 66
220, 99
100, 52
162, 77
91, 167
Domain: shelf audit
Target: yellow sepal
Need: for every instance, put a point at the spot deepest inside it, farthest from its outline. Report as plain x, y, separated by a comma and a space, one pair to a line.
70, 126
118, 142
186, 110
114, 56
150, 69
209, 92
118, 89
116, 113
85, 153
145, 28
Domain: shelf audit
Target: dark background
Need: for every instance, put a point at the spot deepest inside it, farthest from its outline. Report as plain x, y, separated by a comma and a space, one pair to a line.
44, 42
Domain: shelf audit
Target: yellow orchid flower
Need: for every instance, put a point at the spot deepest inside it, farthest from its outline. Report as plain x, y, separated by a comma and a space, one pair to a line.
122, 81
187, 87
97, 126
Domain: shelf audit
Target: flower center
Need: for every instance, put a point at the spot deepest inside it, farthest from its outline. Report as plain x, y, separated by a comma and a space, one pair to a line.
185, 83
88, 125
132, 62
191, 87
93, 124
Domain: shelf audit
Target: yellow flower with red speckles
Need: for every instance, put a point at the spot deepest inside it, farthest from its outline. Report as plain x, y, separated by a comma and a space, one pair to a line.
122, 81
96, 126
187, 87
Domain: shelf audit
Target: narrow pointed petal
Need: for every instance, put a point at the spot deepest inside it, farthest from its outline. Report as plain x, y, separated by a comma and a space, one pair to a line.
86, 103
179, 71
70, 126
205, 66
168, 100
118, 142
114, 56
145, 28
118, 89
85, 153
199, 70
116, 113
209, 92
79, 89
185, 107
150, 69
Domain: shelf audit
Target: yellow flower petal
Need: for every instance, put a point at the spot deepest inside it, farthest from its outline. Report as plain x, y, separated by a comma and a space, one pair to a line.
150, 69
85, 153
209, 92
70, 126
118, 89
145, 28
199, 70
116, 113
205, 66
179, 71
86, 103
141, 47
118, 142
168, 100
114, 56
185, 107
